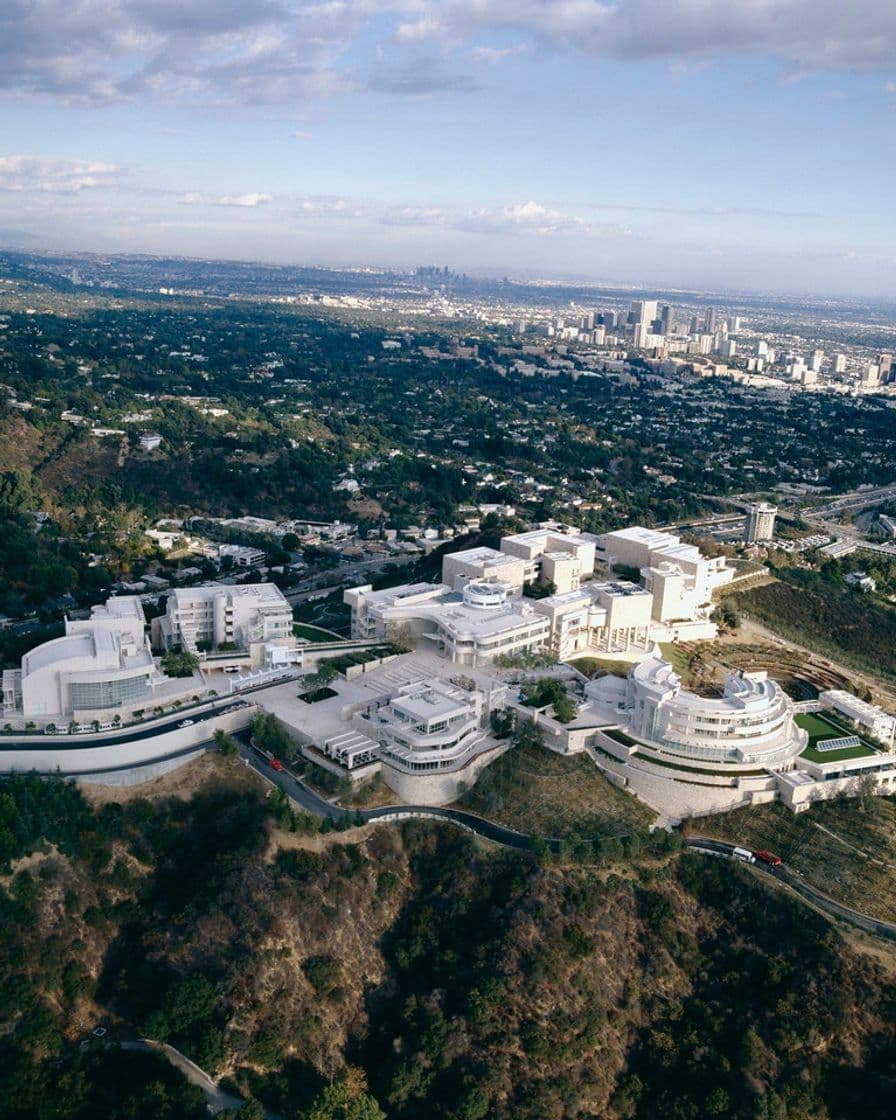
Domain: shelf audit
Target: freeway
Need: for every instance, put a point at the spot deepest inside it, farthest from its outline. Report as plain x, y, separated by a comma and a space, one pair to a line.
313, 803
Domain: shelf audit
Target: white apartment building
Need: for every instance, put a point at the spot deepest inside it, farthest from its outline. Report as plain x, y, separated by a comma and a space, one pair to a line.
760, 522
101, 664
248, 616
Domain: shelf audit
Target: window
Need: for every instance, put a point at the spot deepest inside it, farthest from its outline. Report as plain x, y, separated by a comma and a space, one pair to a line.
107, 694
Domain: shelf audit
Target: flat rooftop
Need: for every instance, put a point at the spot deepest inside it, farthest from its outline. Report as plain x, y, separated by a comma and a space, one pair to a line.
119, 606
249, 592
324, 720
651, 537
429, 704
70, 647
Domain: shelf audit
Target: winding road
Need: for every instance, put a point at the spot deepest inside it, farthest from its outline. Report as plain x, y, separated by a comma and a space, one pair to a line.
311, 802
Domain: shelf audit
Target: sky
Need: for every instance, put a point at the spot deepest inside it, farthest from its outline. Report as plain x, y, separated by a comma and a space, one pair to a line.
736, 144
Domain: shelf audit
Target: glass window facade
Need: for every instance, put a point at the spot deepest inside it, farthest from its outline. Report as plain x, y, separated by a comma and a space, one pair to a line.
107, 694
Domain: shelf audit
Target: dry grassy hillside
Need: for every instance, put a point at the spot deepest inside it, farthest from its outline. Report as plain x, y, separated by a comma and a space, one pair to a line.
465, 983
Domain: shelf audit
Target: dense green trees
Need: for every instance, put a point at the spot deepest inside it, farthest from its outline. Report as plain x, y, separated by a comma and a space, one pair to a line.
178, 662
550, 691
508, 987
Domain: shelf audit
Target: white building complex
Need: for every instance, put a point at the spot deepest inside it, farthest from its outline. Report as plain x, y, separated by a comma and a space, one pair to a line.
878, 723
750, 723
469, 627
249, 617
479, 612
680, 577
101, 664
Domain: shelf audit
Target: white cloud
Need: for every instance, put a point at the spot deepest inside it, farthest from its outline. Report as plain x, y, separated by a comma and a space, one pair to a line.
277, 51
530, 217
422, 30
45, 175
256, 198
413, 216
491, 55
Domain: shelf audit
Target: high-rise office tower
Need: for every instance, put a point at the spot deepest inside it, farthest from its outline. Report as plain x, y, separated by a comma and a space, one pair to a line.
885, 365
728, 348
666, 324
839, 363
643, 311
760, 522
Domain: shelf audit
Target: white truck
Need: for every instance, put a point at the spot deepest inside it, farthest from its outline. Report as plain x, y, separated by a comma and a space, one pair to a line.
743, 855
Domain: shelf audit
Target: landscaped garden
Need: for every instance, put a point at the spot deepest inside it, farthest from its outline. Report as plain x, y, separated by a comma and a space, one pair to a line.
821, 729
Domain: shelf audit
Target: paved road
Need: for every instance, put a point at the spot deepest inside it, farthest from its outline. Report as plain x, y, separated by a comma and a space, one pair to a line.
795, 881
217, 1099
40, 742
313, 803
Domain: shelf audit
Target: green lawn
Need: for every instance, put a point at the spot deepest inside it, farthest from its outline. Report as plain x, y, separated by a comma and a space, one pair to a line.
821, 728
315, 633
677, 658
591, 666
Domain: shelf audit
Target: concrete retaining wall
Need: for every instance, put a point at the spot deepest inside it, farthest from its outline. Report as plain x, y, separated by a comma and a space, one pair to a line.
354, 671
439, 788
119, 753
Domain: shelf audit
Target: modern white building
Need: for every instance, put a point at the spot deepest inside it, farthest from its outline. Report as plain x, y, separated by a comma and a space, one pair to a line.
878, 723
760, 522
101, 664
751, 722
549, 555
562, 558
479, 612
427, 726
459, 568
243, 556
249, 617
469, 627
609, 617
657, 555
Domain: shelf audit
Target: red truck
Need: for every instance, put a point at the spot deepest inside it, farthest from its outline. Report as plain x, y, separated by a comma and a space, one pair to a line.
769, 857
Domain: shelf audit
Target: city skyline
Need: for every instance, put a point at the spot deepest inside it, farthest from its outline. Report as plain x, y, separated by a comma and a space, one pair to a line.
670, 144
